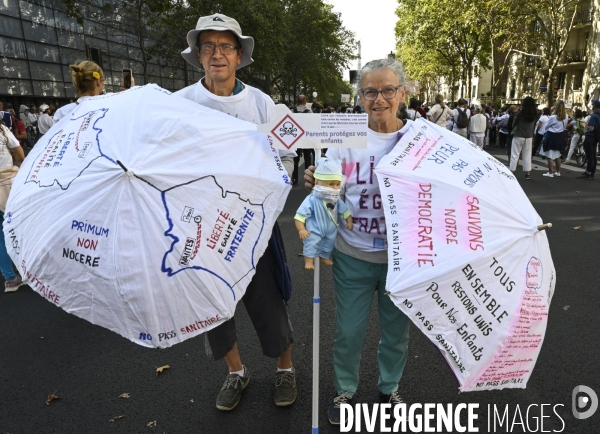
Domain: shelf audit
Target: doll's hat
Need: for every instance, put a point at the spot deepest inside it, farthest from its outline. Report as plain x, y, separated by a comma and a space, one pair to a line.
328, 170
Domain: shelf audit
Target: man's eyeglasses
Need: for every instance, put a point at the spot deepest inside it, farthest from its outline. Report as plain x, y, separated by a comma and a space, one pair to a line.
386, 92
209, 48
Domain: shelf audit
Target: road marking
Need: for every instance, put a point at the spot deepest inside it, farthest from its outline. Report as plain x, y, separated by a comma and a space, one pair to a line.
542, 164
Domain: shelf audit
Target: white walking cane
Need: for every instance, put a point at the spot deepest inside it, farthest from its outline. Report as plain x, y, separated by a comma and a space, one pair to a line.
316, 328
316, 338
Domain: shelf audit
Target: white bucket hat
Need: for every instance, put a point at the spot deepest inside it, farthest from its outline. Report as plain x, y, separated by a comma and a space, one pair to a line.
221, 23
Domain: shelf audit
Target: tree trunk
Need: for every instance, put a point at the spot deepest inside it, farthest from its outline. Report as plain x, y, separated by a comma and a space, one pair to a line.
550, 87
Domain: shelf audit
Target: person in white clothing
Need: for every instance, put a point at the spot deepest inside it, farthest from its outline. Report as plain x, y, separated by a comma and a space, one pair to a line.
11, 153
460, 125
413, 114
88, 80
45, 121
218, 46
477, 127
554, 142
522, 132
360, 259
439, 111
577, 127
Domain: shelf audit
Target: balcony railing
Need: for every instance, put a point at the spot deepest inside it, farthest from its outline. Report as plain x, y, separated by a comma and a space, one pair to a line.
578, 55
584, 16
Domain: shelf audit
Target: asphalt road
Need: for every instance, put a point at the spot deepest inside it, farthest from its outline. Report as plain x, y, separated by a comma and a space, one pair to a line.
44, 350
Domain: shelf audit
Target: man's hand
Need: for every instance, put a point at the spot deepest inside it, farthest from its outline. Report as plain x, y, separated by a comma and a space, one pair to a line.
303, 234
309, 179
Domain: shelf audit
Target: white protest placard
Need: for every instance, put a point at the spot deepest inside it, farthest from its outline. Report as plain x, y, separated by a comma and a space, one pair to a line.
467, 262
316, 130
568, 103
345, 97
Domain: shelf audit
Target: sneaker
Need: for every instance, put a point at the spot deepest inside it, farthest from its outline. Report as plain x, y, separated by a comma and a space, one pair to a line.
392, 398
566, 162
585, 175
549, 175
556, 173
527, 177
285, 388
231, 392
333, 412
13, 284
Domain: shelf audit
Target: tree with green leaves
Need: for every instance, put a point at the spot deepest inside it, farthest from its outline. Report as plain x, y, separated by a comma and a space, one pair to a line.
444, 27
550, 26
301, 45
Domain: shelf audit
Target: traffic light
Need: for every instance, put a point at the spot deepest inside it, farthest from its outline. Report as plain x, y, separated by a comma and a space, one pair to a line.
353, 74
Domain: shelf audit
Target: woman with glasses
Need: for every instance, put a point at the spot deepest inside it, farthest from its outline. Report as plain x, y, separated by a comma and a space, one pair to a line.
360, 256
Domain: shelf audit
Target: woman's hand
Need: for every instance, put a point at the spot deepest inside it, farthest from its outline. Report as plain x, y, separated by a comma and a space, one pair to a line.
309, 179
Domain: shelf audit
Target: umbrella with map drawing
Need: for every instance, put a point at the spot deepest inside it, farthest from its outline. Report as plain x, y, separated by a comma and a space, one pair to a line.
147, 222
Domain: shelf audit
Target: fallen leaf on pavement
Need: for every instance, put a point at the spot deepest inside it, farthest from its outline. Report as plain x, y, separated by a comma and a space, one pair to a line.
124, 395
153, 423
116, 418
191, 400
566, 307
161, 369
577, 228
578, 192
52, 397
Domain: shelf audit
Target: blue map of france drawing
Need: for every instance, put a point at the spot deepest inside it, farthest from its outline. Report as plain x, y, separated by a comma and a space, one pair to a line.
216, 231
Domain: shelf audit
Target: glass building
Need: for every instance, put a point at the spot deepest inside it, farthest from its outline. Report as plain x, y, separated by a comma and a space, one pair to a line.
38, 41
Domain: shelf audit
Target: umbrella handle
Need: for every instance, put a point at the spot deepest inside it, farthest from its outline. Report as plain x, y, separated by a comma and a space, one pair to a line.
544, 226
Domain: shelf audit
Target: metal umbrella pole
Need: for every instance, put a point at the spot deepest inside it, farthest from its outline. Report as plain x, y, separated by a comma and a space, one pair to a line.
316, 330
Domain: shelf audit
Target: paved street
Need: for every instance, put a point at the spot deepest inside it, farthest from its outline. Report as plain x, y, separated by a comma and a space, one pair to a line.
45, 350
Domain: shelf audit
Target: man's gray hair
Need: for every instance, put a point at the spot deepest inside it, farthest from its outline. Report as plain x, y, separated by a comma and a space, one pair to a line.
377, 65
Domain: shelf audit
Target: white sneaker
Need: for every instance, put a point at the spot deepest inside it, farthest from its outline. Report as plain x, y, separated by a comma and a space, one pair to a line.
549, 175
556, 173
566, 161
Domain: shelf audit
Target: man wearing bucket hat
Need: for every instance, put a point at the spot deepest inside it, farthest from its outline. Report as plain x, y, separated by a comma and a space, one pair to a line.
218, 46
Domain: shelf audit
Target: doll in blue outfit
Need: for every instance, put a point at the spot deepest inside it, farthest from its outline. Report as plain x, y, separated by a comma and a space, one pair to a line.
317, 218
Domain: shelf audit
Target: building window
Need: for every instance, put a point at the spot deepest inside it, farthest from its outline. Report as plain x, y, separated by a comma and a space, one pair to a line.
527, 84
96, 56
578, 81
562, 77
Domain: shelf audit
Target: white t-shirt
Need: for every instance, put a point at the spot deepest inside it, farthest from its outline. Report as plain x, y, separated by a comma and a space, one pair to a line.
555, 126
65, 110
6, 161
455, 128
250, 105
438, 115
45, 122
544, 120
478, 124
413, 114
368, 240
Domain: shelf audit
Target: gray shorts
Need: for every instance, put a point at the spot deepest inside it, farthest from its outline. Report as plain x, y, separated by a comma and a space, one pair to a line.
267, 310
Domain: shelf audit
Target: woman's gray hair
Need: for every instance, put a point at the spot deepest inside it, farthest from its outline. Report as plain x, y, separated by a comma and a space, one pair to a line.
379, 64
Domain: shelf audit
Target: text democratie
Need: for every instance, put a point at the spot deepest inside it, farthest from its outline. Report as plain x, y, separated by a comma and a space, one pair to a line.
417, 418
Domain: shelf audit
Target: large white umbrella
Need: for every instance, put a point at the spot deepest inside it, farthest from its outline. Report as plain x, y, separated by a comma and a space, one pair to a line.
469, 261
145, 213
